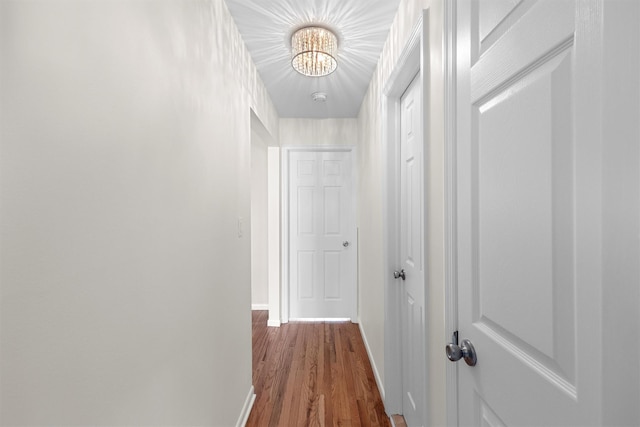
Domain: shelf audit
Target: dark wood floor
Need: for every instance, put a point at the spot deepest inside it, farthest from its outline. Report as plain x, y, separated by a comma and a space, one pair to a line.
312, 374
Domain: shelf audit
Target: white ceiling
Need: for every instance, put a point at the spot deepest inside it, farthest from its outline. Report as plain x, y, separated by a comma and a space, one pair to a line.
362, 27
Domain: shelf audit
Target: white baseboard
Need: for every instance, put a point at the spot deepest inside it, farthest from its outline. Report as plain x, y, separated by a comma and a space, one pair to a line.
246, 408
373, 363
275, 323
259, 306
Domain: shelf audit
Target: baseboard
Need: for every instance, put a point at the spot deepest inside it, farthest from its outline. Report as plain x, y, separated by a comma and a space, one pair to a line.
259, 306
373, 363
246, 408
275, 323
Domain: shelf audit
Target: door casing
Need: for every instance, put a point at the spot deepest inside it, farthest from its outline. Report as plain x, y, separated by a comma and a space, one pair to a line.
413, 60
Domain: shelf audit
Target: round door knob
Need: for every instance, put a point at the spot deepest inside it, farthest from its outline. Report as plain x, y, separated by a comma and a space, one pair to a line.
454, 352
345, 243
465, 351
399, 274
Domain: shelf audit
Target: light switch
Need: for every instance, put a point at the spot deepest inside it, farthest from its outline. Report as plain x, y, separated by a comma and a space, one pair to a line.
240, 226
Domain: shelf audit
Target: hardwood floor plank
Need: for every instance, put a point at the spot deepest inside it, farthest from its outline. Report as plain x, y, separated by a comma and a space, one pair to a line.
339, 395
289, 415
312, 374
327, 379
308, 409
350, 371
398, 420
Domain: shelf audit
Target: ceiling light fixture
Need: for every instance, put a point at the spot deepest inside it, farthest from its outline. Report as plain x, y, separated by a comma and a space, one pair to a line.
313, 51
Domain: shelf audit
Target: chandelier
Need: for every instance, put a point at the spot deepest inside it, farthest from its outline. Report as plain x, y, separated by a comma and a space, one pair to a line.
313, 51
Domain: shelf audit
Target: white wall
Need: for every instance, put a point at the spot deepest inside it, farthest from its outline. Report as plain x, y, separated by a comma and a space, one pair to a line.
124, 162
370, 164
274, 254
314, 132
259, 262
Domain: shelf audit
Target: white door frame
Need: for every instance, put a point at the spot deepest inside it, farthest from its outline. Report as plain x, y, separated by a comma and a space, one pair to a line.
450, 214
414, 59
286, 151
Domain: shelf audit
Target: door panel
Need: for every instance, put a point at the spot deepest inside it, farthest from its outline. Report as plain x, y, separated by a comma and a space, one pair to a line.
306, 211
332, 279
305, 277
486, 417
519, 231
332, 211
322, 269
525, 292
411, 254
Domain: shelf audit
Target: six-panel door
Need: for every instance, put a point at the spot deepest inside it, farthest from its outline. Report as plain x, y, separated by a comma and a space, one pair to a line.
323, 246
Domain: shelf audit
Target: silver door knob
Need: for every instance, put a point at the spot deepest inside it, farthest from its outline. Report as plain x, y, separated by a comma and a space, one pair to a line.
464, 351
399, 274
345, 244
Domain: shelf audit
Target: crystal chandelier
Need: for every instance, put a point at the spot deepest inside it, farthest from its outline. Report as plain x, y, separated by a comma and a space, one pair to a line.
313, 51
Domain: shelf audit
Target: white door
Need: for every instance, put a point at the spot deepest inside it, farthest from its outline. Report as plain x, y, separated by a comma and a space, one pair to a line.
412, 255
528, 214
322, 235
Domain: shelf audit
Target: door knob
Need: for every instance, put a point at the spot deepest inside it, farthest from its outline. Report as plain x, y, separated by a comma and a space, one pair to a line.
464, 351
399, 274
345, 243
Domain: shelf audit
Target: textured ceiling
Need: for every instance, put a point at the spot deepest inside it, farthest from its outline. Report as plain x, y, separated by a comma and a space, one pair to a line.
362, 27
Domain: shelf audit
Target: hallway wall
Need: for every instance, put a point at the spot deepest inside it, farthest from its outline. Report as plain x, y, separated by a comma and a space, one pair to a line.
259, 242
370, 221
317, 132
124, 170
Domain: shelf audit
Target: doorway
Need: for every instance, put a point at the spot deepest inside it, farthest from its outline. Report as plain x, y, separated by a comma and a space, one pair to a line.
265, 221
405, 138
259, 227
320, 235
